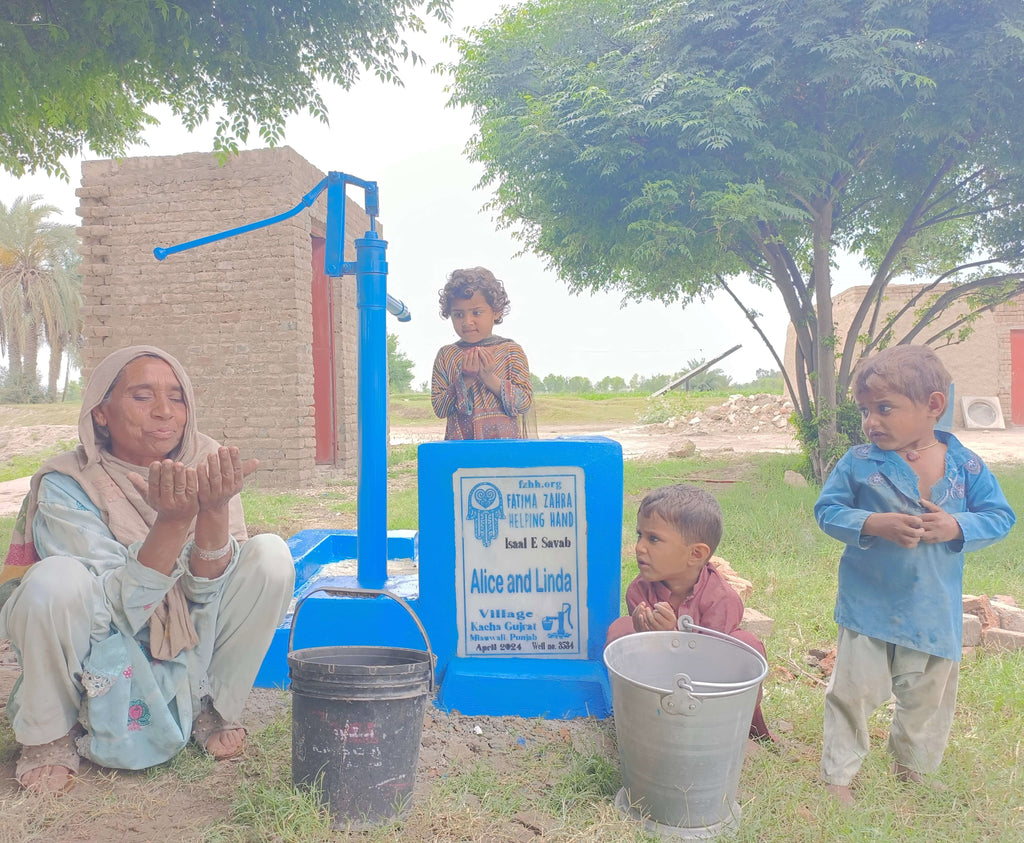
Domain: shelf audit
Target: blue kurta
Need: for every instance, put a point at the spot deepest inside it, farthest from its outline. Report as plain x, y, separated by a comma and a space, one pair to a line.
908, 596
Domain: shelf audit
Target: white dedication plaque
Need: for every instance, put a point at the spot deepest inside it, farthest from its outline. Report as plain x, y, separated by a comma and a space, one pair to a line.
521, 562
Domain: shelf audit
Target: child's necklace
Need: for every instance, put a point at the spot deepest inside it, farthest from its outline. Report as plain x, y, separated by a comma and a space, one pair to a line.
914, 454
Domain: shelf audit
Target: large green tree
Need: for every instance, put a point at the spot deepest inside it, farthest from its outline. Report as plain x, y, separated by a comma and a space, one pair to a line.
39, 294
674, 149
82, 73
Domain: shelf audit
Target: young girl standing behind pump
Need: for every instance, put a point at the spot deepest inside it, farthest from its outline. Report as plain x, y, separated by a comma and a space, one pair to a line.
481, 383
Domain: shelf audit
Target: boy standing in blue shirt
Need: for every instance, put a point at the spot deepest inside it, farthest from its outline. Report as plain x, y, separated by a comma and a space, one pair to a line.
907, 506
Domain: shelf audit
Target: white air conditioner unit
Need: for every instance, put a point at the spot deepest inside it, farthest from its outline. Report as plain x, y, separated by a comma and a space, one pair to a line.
982, 413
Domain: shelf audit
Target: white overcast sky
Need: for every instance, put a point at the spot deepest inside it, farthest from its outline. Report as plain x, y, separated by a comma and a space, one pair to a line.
411, 144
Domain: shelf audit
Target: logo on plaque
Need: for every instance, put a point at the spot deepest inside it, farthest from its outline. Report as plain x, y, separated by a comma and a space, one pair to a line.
485, 510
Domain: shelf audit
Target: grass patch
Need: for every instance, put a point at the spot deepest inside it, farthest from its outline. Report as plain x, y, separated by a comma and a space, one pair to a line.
771, 539
27, 415
266, 806
25, 465
413, 409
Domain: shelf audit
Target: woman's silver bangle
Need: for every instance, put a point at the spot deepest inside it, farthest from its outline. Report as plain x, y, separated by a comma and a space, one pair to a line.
211, 555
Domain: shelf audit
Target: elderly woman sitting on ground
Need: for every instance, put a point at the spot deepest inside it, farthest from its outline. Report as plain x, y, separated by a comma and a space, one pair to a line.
148, 615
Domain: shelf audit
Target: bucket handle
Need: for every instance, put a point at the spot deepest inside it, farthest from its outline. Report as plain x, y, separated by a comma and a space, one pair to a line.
686, 624
681, 700
365, 592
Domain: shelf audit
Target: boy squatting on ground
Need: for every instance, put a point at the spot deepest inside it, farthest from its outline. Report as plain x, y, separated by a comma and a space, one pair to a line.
907, 506
677, 531
480, 384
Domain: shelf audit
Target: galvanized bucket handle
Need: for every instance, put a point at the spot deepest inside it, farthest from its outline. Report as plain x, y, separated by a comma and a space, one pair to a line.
686, 624
682, 700
365, 592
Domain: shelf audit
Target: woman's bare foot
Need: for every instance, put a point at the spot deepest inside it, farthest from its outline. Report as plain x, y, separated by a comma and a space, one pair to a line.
214, 734
227, 743
842, 793
49, 780
48, 768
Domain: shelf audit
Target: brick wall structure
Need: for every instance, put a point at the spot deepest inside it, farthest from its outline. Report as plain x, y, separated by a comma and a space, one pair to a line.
980, 365
237, 313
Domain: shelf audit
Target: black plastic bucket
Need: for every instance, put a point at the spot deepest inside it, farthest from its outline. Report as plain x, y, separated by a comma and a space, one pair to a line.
357, 720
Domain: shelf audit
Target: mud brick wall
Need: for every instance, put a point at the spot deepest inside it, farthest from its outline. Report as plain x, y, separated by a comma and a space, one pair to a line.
237, 312
980, 365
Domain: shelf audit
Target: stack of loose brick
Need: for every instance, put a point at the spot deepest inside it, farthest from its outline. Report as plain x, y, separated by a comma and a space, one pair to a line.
754, 621
993, 624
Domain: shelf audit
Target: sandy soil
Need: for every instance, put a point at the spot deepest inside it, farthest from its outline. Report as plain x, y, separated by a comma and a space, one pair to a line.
656, 441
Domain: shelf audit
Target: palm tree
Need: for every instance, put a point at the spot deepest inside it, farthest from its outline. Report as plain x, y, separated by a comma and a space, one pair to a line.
39, 291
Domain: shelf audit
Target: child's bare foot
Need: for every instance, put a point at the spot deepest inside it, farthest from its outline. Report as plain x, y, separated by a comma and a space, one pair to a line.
905, 774
842, 793
911, 776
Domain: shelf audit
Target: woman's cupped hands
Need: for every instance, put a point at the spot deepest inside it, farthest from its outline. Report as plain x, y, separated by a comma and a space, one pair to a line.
179, 492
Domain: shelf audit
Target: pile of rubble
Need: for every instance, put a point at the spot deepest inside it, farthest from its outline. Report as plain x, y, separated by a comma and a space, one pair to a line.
760, 413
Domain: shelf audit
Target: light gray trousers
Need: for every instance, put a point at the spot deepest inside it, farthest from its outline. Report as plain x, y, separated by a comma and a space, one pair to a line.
51, 620
868, 672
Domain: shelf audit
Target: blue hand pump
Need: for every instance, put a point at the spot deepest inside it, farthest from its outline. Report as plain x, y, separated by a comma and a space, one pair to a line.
371, 270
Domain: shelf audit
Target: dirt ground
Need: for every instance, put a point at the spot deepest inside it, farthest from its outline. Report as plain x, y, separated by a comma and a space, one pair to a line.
179, 811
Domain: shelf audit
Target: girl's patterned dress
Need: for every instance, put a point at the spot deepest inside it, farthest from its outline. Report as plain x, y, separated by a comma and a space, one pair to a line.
472, 410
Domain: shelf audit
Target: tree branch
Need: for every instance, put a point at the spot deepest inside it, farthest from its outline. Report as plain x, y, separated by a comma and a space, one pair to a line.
881, 278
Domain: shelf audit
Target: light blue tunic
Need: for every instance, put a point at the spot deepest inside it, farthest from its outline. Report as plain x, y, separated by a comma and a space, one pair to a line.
137, 711
908, 596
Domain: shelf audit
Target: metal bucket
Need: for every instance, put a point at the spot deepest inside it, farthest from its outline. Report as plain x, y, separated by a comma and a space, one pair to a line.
682, 703
357, 721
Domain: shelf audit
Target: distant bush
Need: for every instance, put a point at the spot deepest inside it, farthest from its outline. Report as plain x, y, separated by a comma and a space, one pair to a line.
20, 391
711, 381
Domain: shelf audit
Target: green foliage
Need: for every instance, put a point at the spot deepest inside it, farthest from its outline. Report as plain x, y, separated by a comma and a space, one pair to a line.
19, 389
399, 367
658, 410
73, 393
709, 381
848, 427
82, 75
611, 384
706, 381
670, 150
765, 380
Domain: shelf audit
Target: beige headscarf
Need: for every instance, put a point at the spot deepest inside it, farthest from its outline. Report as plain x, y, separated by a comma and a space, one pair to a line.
104, 478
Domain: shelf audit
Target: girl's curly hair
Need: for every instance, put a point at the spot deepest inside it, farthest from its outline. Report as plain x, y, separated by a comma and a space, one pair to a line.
462, 283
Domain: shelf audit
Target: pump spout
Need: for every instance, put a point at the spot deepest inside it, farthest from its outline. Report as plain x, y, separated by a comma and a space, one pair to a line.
398, 309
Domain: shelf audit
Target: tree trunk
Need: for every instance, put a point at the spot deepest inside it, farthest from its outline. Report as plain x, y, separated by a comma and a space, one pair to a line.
825, 344
30, 360
15, 367
56, 356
